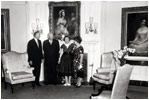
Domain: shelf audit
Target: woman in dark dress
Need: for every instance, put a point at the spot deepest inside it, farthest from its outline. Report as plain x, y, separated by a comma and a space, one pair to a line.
78, 61
65, 61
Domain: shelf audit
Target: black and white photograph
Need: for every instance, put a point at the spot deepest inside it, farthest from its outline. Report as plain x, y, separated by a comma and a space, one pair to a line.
74, 49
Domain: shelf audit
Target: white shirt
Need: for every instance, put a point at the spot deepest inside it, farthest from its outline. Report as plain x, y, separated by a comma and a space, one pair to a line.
50, 41
67, 45
36, 42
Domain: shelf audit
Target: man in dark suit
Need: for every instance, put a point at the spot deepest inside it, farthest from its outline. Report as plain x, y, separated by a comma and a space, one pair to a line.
35, 56
51, 55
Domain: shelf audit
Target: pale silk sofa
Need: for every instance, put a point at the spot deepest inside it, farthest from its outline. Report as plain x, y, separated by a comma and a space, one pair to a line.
16, 69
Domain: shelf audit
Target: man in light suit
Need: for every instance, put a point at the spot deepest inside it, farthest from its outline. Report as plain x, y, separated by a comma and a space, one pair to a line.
35, 56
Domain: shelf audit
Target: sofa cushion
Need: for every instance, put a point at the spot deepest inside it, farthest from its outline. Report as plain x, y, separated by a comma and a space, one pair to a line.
21, 75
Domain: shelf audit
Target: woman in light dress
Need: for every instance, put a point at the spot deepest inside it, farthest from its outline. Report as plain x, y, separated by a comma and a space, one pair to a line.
140, 43
61, 25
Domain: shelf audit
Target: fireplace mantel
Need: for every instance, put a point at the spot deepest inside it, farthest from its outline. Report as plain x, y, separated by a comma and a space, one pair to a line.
93, 48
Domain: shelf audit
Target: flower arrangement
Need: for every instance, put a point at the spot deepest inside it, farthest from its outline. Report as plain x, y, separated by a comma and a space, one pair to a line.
120, 54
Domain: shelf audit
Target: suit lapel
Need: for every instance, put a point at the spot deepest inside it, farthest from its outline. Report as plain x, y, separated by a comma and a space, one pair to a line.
35, 43
52, 42
39, 44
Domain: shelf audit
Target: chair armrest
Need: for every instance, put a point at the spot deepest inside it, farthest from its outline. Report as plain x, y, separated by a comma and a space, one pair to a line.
7, 74
32, 68
103, 70
112, 71
27, 68
6, 71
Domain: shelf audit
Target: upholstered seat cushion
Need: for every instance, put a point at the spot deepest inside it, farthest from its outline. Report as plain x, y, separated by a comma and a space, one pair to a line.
103, 76
21, 75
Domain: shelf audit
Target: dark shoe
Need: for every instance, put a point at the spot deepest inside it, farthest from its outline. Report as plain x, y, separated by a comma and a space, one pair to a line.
38, 84
78, 86
95, 94
46, 83
55, 84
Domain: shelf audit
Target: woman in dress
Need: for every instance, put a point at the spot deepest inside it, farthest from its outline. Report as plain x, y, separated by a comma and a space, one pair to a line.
78, 61
140, 43
61, 25
65, 61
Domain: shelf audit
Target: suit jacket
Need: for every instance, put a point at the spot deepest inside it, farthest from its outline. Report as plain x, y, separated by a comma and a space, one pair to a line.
51, 51
34, 52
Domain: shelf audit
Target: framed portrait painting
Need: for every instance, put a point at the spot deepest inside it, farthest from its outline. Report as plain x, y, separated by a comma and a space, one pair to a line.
64, 19
5, 31
135, 29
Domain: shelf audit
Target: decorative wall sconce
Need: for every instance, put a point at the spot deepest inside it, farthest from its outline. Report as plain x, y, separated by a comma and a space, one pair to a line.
37, 26
90, 26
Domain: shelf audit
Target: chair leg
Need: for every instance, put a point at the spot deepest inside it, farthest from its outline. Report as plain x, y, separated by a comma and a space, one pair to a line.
22, 84
127, 97
5, 85
94, 85
99, 91
33, 85
90, 97
108, 87
11, 88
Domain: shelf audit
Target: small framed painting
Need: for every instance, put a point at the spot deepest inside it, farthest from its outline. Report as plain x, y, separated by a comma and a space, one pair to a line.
5, 31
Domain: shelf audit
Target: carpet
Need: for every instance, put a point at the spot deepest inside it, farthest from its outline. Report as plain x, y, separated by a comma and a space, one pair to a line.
62, 92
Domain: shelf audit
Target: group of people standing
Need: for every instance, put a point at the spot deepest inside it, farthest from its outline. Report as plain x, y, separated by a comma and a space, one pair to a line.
65, 58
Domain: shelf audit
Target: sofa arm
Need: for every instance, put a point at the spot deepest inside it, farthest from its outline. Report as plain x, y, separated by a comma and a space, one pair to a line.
27, 68
32, 68
103, 70
7, 74
6, 71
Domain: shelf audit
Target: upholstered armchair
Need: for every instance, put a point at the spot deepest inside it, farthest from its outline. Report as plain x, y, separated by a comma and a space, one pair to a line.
16, 69
121, 81
105, 73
